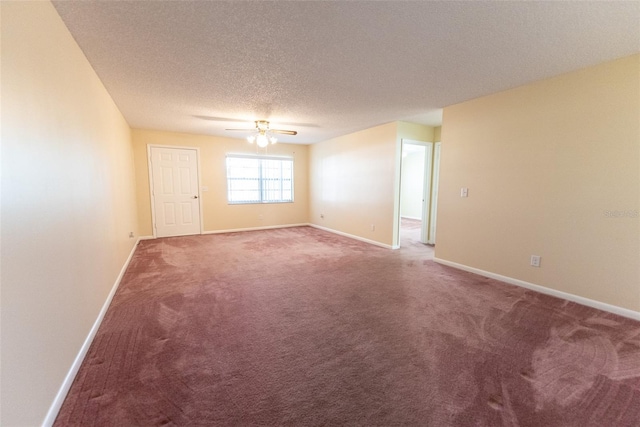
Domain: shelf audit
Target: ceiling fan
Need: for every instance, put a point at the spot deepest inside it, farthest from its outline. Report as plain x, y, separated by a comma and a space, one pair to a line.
263, 133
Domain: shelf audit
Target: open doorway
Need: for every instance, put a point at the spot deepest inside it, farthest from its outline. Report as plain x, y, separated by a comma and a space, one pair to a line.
415, 191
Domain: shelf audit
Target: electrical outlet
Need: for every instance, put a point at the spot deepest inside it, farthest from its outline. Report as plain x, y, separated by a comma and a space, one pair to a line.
321, 216
535, 260
464, 192
131, 234
373, 227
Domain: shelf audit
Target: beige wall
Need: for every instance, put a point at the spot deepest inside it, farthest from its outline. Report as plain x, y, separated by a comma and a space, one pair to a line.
217, 213
355, 180
352, 183
437, 131
415, 131
67, 205
553, 169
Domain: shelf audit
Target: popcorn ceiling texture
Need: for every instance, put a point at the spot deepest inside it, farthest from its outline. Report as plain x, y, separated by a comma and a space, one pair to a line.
330, 68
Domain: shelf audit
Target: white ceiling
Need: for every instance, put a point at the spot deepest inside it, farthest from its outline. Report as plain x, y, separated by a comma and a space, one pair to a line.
329, 68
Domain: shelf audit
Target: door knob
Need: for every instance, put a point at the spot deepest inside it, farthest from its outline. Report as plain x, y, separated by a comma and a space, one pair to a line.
194, 197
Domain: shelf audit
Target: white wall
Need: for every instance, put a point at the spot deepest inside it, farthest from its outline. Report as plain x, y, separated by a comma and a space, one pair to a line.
412, 184
68, 204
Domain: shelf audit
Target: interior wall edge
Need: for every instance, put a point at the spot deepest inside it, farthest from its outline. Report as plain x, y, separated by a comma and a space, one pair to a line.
621, 311
77, 362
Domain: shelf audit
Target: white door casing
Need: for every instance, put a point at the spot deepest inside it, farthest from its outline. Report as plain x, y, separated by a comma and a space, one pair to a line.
174, 191
426, 188
426, 192
434, 192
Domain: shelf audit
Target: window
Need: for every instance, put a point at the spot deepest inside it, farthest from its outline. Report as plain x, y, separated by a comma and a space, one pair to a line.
255, 179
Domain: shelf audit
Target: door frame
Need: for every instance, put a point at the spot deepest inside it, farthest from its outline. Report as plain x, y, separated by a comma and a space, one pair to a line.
426, 189
150, 170
435, 182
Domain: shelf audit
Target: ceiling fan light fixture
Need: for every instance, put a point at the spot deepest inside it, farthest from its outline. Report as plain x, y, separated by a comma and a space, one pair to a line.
262, 125
262, 140
264, 135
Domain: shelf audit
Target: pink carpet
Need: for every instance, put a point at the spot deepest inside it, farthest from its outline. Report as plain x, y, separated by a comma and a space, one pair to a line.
300, 327
410, 237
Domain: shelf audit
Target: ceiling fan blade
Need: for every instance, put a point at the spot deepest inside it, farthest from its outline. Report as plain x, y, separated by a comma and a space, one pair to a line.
243, 130
221, 119
233, 120
284, 132
296, 124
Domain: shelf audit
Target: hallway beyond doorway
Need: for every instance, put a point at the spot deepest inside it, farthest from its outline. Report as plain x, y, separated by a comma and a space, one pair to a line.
410, 236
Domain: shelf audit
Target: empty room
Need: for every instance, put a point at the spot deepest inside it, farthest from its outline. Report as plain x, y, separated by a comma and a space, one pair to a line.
320, 213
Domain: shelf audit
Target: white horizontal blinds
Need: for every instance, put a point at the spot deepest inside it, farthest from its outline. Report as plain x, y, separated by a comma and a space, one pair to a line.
243, 180
276, 180
253, 179
287, 180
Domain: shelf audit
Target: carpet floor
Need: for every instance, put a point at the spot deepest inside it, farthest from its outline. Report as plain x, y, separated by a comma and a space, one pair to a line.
300, 327
410, 237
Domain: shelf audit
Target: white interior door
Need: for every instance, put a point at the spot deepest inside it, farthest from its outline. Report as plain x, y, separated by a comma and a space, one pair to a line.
174, 190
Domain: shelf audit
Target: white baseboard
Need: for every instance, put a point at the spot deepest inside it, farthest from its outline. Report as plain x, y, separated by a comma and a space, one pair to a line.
144, 238
268, 227
75, 366
625, 312
352, 236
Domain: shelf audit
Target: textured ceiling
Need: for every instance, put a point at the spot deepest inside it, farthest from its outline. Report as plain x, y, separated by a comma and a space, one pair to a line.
330, 68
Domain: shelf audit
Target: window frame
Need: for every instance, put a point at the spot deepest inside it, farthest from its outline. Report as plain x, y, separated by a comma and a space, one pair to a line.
261, 179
